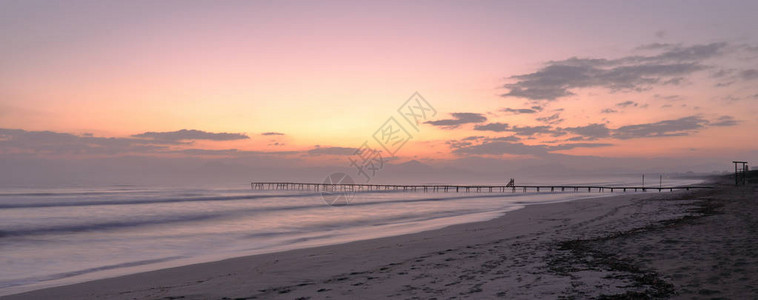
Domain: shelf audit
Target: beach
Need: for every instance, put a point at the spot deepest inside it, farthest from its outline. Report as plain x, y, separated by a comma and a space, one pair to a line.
378, 150
668, 244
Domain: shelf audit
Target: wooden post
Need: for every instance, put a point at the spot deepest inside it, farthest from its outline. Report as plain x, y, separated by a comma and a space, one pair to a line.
740, 174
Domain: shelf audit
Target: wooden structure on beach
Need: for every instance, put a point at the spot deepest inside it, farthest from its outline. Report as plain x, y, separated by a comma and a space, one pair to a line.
740, 172
359, 187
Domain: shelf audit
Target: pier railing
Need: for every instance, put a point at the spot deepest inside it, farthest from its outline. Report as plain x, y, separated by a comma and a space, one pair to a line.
356, 187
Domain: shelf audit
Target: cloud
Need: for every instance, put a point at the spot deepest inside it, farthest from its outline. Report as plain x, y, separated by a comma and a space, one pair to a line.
478, 140
577, 145
674, 81
721, 73
520, 110
184, 134
727, 98
48, 143
677, 53
498, 147
608, 111
223, 152
678, 127
532, 130
626, 104
232, 152
749, 74
501, 147
725, 121
728, 77
54, 143
272, 133
318, 150
558, 78
458, 119
553, 119
511, 138
518, 130
656, 46
668, 97
496, 127
590, 132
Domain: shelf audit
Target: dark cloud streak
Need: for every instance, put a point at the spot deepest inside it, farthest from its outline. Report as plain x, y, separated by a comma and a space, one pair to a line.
55, 143
558, 78
678, 127
496, 127
675, 127
331, 151
749, 74
498, 147
458, 119
592, 131
519, 110
626, 104
191, 134
552, 119
725, 121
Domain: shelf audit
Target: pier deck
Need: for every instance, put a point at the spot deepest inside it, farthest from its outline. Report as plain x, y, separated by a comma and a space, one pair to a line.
356, 187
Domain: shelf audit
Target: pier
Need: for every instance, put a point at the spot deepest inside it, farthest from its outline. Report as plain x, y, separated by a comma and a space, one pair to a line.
358, 187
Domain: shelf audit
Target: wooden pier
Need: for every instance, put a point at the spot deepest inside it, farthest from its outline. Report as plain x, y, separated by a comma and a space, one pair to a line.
358, 187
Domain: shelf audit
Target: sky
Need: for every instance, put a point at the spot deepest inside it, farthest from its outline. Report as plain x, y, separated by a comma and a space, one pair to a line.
130, 91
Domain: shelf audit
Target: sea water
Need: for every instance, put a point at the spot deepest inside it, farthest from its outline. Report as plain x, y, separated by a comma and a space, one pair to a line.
56, 236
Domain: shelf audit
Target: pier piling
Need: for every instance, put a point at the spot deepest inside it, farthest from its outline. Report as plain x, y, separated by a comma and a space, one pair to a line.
354, 187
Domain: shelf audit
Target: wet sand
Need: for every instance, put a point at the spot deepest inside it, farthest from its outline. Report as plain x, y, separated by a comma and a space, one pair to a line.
636, 245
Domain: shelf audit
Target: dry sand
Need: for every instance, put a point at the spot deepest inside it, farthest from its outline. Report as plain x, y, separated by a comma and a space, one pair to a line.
642, 245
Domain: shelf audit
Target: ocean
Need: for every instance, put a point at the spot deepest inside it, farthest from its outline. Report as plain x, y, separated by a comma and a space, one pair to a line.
57, 236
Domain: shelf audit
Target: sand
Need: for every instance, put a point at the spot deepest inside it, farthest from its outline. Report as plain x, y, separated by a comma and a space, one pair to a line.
636, 245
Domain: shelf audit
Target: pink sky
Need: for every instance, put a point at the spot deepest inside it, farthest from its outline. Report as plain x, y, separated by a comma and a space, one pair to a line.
607, 80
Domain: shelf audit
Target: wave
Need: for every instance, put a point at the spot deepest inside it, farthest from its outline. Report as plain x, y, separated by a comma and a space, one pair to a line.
28, 280
247, 212
144, 201
87, 227
235, 198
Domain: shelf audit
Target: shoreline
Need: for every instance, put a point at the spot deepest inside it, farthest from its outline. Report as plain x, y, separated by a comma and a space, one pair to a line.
512, 255
380, 231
